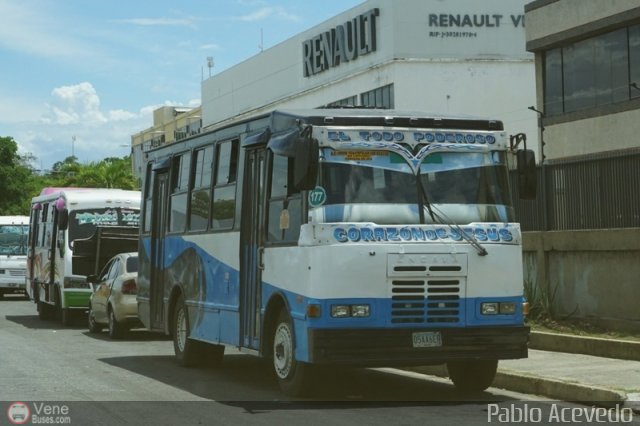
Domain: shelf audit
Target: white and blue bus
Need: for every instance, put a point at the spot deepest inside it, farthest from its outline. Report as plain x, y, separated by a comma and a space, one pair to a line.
347, 237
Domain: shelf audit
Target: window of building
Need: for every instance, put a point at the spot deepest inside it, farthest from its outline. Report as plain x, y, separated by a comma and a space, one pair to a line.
553, 82
634, 60
382, 97
179, 192
224, 191
285, 204
348, 101
201, 192
591, 73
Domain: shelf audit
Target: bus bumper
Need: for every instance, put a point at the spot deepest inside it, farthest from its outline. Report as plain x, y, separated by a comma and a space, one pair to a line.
395, 347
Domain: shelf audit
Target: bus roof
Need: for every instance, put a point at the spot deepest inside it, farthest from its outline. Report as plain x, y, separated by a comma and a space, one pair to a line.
90, 197
382, 117
14, 220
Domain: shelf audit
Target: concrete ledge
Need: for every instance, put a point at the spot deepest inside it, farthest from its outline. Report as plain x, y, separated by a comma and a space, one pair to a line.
555, 389
608, 348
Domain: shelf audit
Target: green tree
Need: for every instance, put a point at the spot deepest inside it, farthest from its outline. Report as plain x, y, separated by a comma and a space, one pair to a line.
18, 181
111, 172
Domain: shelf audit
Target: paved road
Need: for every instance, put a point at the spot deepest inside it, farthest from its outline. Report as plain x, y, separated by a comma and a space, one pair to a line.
136, 381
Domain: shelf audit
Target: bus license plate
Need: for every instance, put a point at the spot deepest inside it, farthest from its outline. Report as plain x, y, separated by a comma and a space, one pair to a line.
427, 339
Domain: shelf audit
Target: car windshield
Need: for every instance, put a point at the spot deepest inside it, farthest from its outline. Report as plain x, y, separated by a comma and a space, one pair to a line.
13, 239
464, 187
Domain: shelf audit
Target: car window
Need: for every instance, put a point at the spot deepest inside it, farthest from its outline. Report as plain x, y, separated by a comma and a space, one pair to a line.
105, 271
115, 269
132, 264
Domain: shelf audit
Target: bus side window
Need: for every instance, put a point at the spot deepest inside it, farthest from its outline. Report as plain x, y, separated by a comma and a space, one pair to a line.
224, 190
201, 192
284, 205
43, 225
180, 166
148, 202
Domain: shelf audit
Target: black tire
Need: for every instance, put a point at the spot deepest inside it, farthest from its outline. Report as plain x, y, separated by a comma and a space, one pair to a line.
57, 307
44, 311
1, 295
94, 327
116, 330
65, 316
472, 376
189, 353
294, 377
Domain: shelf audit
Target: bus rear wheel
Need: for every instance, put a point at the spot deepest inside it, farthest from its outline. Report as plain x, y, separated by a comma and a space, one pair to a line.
186, 350
472, 376
294, 377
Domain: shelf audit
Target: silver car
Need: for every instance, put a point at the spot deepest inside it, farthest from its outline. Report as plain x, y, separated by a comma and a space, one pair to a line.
113, 302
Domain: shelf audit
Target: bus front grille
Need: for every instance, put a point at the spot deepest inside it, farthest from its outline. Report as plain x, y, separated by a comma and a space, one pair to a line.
443, 300
408, 301
427, 289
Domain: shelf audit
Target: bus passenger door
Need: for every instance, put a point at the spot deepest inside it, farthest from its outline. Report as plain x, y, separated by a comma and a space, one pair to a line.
158, 231
252, 247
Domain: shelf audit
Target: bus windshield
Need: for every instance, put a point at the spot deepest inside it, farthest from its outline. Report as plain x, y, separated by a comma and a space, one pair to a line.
13, 239
83, 223
464, 187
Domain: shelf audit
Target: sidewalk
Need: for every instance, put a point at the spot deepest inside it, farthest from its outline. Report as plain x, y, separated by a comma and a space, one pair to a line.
557, 373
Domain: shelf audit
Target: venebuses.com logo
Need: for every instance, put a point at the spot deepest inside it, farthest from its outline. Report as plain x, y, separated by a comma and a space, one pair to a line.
18, 413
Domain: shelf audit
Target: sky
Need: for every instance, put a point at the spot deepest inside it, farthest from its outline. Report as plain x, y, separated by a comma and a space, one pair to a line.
79, 77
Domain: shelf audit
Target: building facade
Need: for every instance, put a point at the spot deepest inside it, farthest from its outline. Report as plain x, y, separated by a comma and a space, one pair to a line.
442, 57
587, 55
587, 73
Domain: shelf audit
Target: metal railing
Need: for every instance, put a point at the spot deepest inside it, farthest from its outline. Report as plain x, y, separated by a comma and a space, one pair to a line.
599, 191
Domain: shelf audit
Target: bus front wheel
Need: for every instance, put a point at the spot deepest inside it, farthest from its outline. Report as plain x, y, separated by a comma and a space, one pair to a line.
472, 376
294, 377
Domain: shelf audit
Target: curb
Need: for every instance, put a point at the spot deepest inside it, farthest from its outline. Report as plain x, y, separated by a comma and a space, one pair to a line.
607, 348
555, 389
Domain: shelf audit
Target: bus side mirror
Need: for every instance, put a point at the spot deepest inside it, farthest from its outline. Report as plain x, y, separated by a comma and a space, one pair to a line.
527, 176
305, 169
63, 219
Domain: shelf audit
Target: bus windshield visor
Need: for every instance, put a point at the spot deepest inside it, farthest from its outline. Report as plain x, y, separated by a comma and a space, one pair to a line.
463, 187
13, 239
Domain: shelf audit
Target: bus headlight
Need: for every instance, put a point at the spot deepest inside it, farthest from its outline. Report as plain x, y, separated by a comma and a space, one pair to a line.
489, 308
495, 308
508, 308
340, 311
359, 310
355, 311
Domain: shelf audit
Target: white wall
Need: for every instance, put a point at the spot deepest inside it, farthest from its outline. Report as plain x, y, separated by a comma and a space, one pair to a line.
486, 74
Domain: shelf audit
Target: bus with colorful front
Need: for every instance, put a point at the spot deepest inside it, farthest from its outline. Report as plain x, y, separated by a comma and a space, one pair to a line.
346, 237
60, 219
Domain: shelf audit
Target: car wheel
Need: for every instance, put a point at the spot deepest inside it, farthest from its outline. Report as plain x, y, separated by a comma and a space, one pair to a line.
294, 377
472, 376
116, 330
94, 327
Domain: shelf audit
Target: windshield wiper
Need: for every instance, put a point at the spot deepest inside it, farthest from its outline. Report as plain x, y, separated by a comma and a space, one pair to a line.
424, 202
